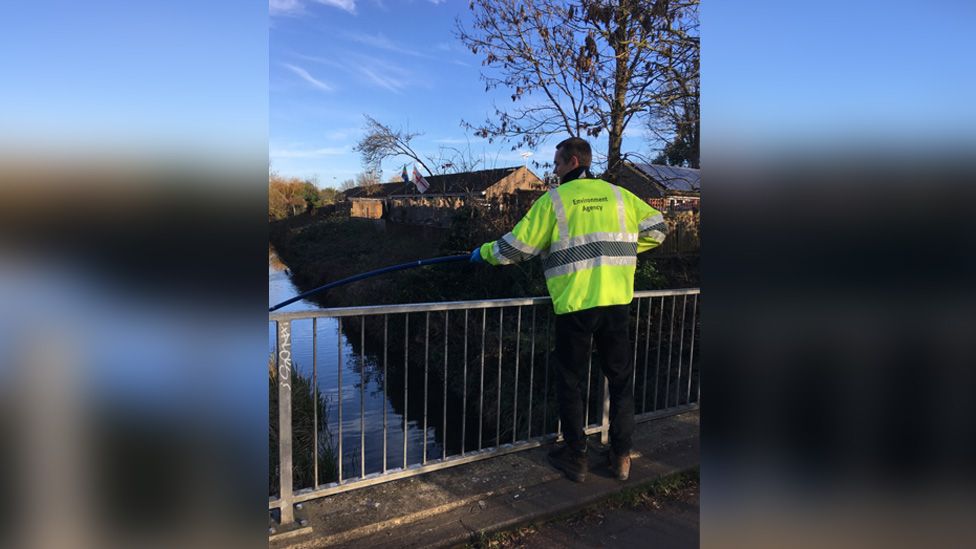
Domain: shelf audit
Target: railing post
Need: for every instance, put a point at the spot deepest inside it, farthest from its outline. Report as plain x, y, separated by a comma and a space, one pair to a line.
283, 357
605, 425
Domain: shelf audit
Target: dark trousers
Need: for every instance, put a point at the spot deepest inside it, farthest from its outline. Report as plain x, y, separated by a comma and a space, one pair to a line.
609, 327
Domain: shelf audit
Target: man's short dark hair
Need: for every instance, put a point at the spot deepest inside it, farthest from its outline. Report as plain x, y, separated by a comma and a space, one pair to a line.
578, 147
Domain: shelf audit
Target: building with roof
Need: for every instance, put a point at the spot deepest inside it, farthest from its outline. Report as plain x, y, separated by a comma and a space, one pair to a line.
663, 187
402, 202
370, 201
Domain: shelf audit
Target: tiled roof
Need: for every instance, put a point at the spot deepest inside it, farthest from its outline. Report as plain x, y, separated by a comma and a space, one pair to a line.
455, 183
462, 182
383, 190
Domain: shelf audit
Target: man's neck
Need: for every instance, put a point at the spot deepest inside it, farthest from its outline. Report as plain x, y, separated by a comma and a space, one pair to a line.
582, 172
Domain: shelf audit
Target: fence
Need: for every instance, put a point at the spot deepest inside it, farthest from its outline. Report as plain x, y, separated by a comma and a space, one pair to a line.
684, 235
486, 386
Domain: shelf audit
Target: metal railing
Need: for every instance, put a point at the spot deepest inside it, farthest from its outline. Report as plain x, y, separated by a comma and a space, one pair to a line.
467, 404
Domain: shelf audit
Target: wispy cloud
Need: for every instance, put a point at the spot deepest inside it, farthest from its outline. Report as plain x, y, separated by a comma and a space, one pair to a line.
378, 72
285, 7
308, 153
320, 60
392, 84
347, 5
342, 134
638, 132
297, 7
373, 70
309, 78
436, 2
380, 41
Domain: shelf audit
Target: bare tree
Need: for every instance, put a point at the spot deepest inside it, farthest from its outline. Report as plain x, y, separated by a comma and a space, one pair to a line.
583, 67
328, 195
677, 123
678, 126
369, 181
382, 142
457, 160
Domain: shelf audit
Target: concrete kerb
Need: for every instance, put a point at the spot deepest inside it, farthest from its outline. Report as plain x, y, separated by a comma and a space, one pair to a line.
457, 505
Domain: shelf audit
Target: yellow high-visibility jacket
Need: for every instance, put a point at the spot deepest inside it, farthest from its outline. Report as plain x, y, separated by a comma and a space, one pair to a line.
588, 233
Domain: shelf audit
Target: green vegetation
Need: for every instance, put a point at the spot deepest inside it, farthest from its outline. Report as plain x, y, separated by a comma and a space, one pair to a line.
292, 196
329, 247
645, 495
500, 540
303, 432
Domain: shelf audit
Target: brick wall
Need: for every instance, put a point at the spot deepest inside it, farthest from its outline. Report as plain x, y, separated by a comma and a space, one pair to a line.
369, 209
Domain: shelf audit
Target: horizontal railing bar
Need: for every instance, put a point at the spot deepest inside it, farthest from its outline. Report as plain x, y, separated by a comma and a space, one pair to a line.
409, 308
399, 473
667, 412
447, 306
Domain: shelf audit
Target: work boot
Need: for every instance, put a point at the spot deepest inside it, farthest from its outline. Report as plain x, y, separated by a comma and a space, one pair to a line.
620, 465
570, 461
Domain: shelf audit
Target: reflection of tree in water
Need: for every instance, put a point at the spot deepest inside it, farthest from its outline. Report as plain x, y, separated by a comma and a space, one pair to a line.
668, 355
274, 261
656, 355
497, 414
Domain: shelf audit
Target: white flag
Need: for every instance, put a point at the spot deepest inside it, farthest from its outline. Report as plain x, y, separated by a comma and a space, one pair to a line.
419, 181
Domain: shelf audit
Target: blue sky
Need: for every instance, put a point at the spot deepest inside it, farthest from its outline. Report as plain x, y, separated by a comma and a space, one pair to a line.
331, 61
224, 74
138, 76
870, 72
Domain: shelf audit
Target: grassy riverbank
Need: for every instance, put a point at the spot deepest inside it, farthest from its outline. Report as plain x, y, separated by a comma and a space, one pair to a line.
322, 249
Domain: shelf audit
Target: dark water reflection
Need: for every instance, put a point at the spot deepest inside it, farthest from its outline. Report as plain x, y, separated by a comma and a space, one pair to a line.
360, 393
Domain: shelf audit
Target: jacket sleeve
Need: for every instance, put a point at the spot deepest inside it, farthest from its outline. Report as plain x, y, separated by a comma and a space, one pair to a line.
530, 236
651, 229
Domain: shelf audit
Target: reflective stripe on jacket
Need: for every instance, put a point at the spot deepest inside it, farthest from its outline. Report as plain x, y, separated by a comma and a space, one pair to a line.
588, 234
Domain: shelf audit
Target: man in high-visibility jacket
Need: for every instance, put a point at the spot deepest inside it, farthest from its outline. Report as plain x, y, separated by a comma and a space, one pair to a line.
588, 233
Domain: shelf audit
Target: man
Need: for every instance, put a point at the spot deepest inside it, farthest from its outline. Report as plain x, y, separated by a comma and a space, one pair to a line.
588, 233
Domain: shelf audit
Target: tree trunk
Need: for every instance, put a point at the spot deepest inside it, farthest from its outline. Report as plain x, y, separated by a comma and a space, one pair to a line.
620, 84
616, 134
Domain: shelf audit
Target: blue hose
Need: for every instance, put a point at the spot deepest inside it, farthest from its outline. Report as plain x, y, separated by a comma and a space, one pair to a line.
400, 267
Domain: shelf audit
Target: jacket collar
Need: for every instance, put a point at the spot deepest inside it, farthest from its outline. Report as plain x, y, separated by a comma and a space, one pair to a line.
582, 172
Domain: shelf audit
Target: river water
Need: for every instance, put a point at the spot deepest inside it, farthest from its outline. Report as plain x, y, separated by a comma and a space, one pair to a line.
356, 395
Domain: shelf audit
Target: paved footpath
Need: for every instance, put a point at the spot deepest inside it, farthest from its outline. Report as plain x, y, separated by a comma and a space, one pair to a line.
662, 521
